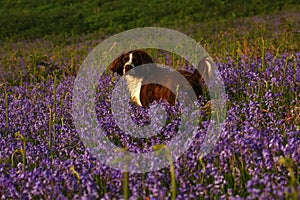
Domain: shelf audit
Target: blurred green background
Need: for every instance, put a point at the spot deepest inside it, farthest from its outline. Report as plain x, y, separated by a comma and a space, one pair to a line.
29, 19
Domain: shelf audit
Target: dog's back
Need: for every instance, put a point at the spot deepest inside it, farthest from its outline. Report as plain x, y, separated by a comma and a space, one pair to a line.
160, 79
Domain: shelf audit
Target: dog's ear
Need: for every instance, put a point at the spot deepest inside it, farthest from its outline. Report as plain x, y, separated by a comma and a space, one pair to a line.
144, 57
117, 65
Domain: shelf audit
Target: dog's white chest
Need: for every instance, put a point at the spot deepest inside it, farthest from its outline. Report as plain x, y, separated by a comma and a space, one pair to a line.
134, 85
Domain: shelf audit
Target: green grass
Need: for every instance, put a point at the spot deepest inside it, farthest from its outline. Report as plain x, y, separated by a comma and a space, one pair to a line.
40, 40
29, 19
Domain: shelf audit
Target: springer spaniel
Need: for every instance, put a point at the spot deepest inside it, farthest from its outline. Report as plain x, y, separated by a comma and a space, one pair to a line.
145, 94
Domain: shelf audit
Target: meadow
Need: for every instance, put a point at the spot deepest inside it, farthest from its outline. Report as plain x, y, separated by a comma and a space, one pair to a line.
256, 48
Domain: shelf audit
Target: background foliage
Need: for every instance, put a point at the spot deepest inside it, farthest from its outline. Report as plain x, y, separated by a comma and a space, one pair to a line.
30, 19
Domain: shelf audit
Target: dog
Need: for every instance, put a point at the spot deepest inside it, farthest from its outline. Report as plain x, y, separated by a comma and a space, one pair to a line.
144, 94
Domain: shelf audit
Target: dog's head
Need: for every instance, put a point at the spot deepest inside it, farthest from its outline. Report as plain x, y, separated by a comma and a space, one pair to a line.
129, 60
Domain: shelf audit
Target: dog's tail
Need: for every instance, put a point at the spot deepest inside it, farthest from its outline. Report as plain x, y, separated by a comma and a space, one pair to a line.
205, 68
201, 76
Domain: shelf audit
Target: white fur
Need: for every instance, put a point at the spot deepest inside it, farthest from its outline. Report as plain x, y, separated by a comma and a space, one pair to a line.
129, 62
134, 85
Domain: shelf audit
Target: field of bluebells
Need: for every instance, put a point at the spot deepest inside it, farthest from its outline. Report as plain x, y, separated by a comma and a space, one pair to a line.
256, 157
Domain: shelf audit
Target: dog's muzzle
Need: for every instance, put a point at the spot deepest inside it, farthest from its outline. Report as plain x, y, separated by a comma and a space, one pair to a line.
128, 65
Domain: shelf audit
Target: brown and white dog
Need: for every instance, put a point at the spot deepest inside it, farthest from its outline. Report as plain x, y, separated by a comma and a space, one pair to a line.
145, 94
